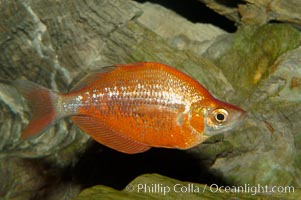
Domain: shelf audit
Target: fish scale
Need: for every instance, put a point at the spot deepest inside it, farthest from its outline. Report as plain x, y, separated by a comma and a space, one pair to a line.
134, 107
139, 107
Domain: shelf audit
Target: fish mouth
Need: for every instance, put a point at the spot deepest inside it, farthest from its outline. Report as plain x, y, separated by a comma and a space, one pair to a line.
243, 114
238, 119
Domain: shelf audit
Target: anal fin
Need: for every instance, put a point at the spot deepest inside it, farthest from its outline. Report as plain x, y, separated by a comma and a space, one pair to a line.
107, 137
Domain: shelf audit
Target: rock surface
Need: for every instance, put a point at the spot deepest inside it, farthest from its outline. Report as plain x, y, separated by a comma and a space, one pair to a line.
263, 66
54, 43
250, 12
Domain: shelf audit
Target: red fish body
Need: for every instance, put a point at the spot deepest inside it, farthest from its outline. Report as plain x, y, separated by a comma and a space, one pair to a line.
134, 107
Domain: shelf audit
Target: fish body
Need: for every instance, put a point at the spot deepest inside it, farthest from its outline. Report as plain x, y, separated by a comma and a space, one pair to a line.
134, 107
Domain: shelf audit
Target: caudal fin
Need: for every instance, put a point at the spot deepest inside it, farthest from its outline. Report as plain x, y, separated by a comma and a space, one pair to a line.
40, 100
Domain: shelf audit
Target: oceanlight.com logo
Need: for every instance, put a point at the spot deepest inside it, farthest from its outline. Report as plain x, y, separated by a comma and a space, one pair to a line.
163, 189
251, 189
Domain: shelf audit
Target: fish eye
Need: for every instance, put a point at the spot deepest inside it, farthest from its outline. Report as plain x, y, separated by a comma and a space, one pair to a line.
220, 115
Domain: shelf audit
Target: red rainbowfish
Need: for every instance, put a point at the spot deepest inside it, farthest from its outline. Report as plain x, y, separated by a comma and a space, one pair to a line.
133, 107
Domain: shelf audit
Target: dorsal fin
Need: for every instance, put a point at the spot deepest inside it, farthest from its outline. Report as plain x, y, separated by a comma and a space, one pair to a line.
107, 137
92, 76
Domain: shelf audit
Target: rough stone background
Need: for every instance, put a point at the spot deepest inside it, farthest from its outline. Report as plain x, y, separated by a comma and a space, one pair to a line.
249, 12
55, 43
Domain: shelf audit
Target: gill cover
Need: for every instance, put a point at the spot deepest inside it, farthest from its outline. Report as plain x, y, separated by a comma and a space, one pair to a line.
197, 119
